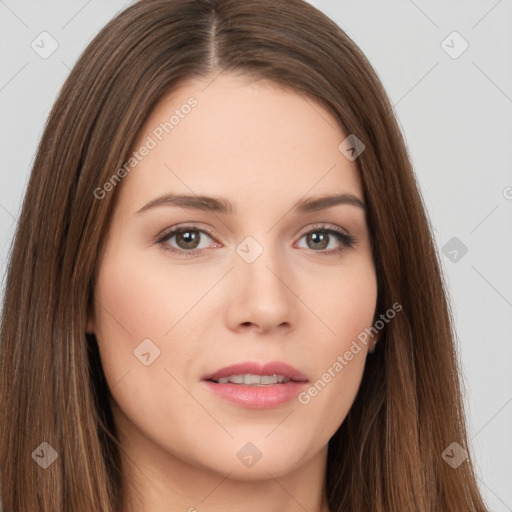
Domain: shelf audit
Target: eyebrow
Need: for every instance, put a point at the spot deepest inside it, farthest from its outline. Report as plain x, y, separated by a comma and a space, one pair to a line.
222, 205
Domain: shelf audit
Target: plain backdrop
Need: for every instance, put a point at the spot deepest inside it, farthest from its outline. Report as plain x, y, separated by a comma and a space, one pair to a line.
447, 68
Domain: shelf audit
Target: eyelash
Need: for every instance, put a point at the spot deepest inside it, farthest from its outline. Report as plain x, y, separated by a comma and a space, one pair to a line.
347, 241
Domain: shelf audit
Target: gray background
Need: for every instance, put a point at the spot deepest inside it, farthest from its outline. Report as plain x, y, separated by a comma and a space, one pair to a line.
456, 117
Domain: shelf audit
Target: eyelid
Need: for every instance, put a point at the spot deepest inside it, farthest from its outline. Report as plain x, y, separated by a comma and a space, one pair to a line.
343, 236
167, 232
323, 226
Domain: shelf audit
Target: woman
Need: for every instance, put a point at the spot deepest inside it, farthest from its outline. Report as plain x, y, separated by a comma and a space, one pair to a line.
223, 291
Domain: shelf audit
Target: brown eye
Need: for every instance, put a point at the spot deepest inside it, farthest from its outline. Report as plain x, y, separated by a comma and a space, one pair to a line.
187, 240
319, 239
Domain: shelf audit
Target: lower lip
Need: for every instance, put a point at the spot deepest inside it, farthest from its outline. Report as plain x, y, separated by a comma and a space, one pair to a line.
257, 397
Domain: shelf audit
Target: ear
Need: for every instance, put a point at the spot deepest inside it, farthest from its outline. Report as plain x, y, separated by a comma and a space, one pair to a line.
373, 342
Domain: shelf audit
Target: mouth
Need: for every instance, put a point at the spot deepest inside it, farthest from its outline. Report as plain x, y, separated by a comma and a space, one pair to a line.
249, 379
257, 386
253, 373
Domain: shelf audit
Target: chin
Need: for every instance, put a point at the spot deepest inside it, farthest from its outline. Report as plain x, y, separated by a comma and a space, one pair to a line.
250, 462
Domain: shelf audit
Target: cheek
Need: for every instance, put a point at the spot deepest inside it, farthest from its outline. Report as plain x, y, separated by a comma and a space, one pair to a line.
355, 308
139, 299
136, 301
344, 300
346, 306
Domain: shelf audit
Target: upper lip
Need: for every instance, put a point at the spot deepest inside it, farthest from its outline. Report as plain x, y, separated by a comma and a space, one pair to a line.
256, 368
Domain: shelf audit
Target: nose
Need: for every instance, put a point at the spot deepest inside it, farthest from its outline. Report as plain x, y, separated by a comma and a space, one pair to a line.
263, 294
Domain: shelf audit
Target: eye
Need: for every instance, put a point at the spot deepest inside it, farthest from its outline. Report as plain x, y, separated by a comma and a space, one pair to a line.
320, 237
188, 240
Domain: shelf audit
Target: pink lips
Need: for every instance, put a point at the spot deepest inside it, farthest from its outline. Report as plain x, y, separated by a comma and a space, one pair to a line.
257, 397
256, 368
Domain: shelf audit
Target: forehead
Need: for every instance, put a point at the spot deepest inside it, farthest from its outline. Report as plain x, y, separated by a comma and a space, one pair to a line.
227, 135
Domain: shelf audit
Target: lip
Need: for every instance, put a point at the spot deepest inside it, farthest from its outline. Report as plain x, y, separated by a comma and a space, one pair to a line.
255, 368
257, 397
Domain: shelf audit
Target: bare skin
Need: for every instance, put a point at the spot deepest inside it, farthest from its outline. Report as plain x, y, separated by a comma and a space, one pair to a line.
300, 301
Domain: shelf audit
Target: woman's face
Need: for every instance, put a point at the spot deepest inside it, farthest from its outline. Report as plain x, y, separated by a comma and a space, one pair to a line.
269, 283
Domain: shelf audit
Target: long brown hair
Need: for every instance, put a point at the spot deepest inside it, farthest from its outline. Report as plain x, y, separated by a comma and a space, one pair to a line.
387, 454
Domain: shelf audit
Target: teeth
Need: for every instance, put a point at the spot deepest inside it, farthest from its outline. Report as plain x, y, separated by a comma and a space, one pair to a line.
253, 380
